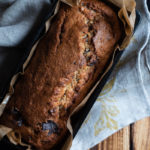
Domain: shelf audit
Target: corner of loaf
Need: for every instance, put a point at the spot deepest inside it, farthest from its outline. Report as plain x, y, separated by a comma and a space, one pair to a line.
66, 64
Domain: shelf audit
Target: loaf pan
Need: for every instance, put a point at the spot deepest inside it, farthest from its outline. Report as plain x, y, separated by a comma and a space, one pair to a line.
78, 118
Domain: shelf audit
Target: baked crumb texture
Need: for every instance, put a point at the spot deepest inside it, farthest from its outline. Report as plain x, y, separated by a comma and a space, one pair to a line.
65, 66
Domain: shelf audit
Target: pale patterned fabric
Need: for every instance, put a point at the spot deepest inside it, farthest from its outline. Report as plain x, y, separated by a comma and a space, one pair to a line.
126, 96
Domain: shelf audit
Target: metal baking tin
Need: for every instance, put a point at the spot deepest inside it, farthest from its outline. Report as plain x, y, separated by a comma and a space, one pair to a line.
77, 121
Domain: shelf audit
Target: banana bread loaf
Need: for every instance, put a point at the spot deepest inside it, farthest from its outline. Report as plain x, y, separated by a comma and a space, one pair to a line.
66, 64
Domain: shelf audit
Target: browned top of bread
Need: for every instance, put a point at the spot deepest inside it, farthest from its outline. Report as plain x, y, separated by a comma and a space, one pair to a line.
65, 66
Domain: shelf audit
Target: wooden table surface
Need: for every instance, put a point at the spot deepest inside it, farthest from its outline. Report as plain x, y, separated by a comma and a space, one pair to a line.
132, 137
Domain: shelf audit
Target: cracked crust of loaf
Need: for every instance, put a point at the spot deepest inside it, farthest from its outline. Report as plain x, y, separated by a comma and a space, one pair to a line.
66, 64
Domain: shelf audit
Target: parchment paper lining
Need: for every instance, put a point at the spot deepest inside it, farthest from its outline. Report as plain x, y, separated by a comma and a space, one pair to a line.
126, 7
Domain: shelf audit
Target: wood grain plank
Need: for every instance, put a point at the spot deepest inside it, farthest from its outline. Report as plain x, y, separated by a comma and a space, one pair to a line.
118, 141
140, 134
95, 148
